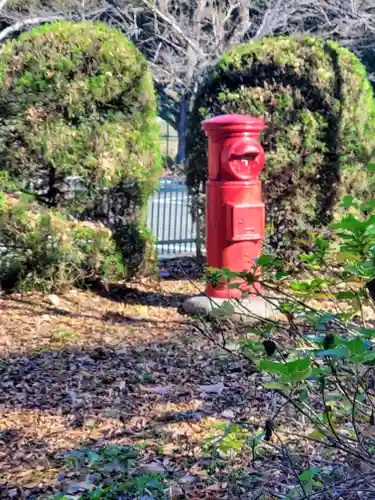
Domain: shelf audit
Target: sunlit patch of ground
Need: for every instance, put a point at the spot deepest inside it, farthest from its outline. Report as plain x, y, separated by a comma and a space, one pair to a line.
85, 370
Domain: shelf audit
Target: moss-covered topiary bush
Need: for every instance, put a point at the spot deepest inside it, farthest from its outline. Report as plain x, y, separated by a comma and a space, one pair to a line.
320, 113
77, 102
43, 249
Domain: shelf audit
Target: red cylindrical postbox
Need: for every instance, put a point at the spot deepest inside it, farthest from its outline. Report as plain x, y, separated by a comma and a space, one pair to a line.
235, 211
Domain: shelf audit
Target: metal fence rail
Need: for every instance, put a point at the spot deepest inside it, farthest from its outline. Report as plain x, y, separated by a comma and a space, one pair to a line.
170, 219
169, 215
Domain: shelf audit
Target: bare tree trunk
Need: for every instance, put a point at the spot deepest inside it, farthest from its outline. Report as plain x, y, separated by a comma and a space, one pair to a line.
181, 129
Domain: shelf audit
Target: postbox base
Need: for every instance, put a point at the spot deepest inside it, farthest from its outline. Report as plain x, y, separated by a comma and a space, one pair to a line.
246, 309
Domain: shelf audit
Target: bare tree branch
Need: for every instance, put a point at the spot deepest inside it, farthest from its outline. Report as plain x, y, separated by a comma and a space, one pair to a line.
27, 23
3, 4
35, 21
170, 22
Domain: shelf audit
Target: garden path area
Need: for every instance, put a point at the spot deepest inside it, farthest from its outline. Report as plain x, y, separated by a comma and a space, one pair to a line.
122, 372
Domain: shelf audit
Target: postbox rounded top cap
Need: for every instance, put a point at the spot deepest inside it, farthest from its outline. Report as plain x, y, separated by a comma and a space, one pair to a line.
234, 121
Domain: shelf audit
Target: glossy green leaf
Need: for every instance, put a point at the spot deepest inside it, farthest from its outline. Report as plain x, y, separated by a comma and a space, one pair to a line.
224, 310
337, 352
357, 346
276, 386
346, 295
324, 319
309, 474
347, 201
295, 371
317, 435
273, 367
304, 395
368, 356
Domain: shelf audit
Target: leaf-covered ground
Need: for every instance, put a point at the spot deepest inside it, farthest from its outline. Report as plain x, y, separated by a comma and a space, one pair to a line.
89, 372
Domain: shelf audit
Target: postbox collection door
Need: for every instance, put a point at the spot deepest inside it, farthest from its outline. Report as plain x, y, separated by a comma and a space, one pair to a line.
245, 222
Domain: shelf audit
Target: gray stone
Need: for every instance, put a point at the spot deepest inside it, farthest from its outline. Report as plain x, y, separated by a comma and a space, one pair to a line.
213, 388
229, 414
160, 390
188, 479
153, 468
246, 309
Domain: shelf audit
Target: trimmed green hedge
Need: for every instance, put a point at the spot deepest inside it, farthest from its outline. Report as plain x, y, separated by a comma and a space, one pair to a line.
77, 101
43, 249
320, 113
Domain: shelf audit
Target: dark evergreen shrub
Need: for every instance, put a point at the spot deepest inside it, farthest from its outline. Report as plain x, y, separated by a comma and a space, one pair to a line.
77, 103
319, 109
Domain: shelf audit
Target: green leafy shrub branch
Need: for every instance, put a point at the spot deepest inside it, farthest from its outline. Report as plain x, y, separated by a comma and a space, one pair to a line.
316, 355
107, 473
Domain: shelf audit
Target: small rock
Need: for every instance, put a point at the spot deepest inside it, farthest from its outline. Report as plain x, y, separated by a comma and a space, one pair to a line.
154, 468
213, 389
175, 491
229, 414
188, 479
214, 487
12, 493
110, 413
53, 300
122, 385
160, 390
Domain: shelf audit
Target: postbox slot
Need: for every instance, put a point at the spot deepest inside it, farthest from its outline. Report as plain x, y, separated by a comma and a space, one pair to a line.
242, 164
245, 159
242, 158
245, 222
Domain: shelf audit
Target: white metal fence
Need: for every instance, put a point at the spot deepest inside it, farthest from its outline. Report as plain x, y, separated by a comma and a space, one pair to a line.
170, 219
